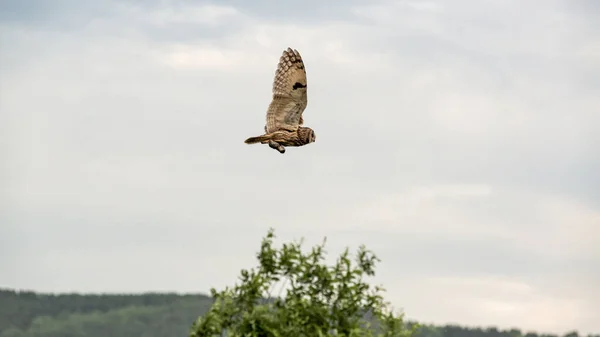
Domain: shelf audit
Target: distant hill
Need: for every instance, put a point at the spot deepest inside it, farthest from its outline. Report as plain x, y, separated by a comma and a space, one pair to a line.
31, 314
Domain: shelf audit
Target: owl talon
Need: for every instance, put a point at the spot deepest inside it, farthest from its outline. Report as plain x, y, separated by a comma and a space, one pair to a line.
276, 146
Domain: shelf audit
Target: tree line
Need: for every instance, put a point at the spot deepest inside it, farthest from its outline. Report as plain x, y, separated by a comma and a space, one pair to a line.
320, 300
31, 314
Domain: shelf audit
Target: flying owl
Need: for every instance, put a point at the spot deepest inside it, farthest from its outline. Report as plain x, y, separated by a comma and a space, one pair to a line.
284, 115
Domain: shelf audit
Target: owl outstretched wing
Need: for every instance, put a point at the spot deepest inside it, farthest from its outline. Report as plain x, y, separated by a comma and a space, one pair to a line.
289, 93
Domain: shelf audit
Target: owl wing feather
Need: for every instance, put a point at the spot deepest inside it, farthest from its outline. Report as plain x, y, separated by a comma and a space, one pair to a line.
289, 93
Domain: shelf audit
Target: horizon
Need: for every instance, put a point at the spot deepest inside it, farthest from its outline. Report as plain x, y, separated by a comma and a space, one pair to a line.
439, 324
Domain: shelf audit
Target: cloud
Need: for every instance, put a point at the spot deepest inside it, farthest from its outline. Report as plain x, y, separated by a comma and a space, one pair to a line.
459, 142
511, 302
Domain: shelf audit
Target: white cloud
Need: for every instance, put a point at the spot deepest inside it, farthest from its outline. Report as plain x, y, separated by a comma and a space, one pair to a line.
550, 226
512, 303
204, 13
206, 58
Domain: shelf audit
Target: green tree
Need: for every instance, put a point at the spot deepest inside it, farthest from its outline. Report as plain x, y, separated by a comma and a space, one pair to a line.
320, 300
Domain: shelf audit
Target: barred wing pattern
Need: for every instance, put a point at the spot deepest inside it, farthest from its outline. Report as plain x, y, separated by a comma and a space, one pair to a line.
289, 93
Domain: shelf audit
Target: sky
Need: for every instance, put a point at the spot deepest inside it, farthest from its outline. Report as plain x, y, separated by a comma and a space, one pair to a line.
458, 140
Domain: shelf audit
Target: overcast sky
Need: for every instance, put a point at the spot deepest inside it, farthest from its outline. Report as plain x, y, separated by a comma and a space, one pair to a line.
457, 139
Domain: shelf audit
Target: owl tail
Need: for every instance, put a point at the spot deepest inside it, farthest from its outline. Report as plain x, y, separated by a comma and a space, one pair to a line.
260, 139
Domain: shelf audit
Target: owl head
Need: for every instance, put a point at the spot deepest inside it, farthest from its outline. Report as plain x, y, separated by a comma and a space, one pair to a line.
306, 135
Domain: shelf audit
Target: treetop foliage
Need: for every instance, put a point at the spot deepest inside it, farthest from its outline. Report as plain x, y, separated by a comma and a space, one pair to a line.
320, 300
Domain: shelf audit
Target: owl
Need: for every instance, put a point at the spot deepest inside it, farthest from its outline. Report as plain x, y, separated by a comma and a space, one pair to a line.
284, 115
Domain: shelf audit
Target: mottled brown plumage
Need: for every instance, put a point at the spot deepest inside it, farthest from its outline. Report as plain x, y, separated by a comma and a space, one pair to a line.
284, 115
